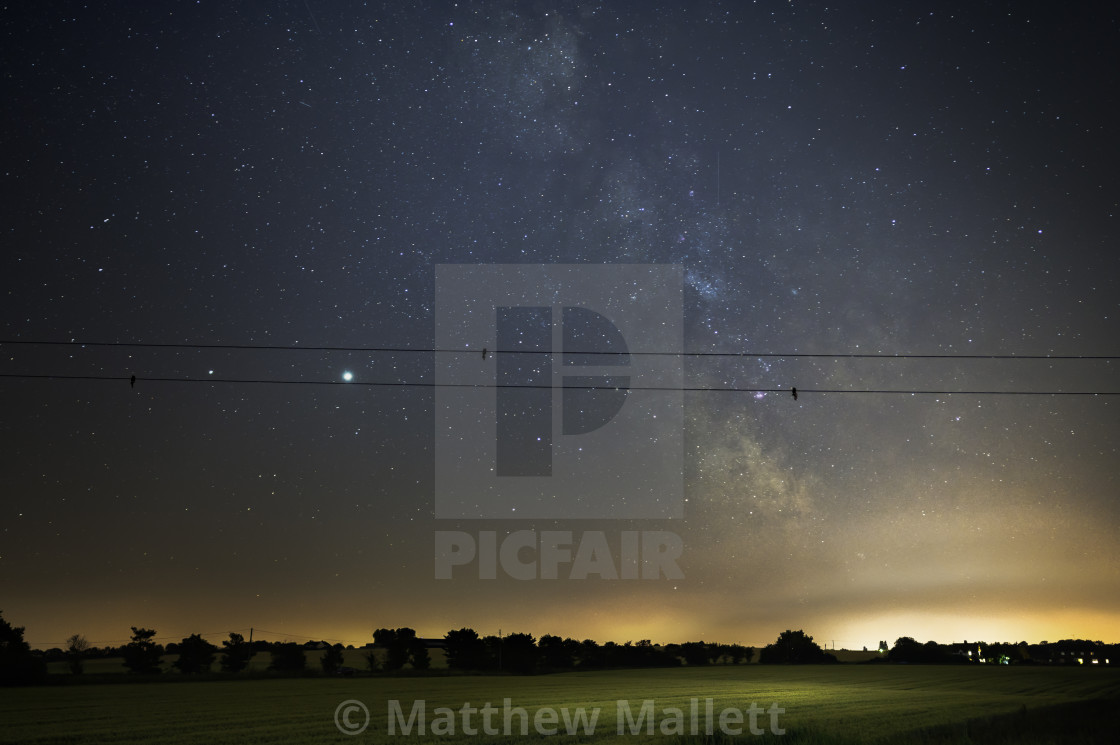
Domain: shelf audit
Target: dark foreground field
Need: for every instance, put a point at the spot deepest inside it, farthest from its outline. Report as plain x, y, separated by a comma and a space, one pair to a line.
837, 704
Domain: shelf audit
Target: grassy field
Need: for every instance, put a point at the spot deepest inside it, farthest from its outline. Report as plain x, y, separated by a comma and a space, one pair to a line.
835, 704
354, 658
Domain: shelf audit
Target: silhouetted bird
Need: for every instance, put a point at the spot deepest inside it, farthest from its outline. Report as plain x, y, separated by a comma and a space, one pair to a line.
132, 383
794, 392
484, 353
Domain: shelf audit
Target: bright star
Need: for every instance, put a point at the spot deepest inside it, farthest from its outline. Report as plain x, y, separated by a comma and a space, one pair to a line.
347, 376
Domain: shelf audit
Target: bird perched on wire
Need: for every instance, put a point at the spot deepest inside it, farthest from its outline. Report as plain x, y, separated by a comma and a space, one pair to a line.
794, 392
132, 383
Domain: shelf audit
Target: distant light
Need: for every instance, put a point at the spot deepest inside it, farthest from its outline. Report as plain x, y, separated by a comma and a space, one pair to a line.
347, 376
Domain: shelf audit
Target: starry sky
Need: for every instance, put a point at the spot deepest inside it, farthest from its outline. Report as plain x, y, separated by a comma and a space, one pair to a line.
239, 203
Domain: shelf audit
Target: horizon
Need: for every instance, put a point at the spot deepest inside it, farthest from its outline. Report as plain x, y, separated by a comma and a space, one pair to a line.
217, 641
255, 634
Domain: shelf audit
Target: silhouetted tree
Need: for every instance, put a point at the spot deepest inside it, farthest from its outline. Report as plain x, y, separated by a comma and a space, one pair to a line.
76, 650
520, 653
1003, 653
54, 654
908, 650
237, 654
695, 653
642, 654
419, 657
401, 647
331, 659
371, 661
739, 653
196, 655
288, 657
794, 647
464, 650
387, 638
557, 653
591, 655
18, 664
493, 646
142, 655
612, 654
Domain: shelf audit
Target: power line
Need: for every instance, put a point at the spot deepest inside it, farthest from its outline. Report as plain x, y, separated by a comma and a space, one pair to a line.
432, 350
431, 384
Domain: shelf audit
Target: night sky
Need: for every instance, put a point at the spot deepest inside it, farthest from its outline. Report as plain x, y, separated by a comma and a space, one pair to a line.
194, 190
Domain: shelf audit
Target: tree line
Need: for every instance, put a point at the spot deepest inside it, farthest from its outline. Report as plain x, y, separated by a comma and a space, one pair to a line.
466, 651
907, 650
390, 651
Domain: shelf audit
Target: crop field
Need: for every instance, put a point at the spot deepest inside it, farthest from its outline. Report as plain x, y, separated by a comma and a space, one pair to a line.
354, 658
829, 704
